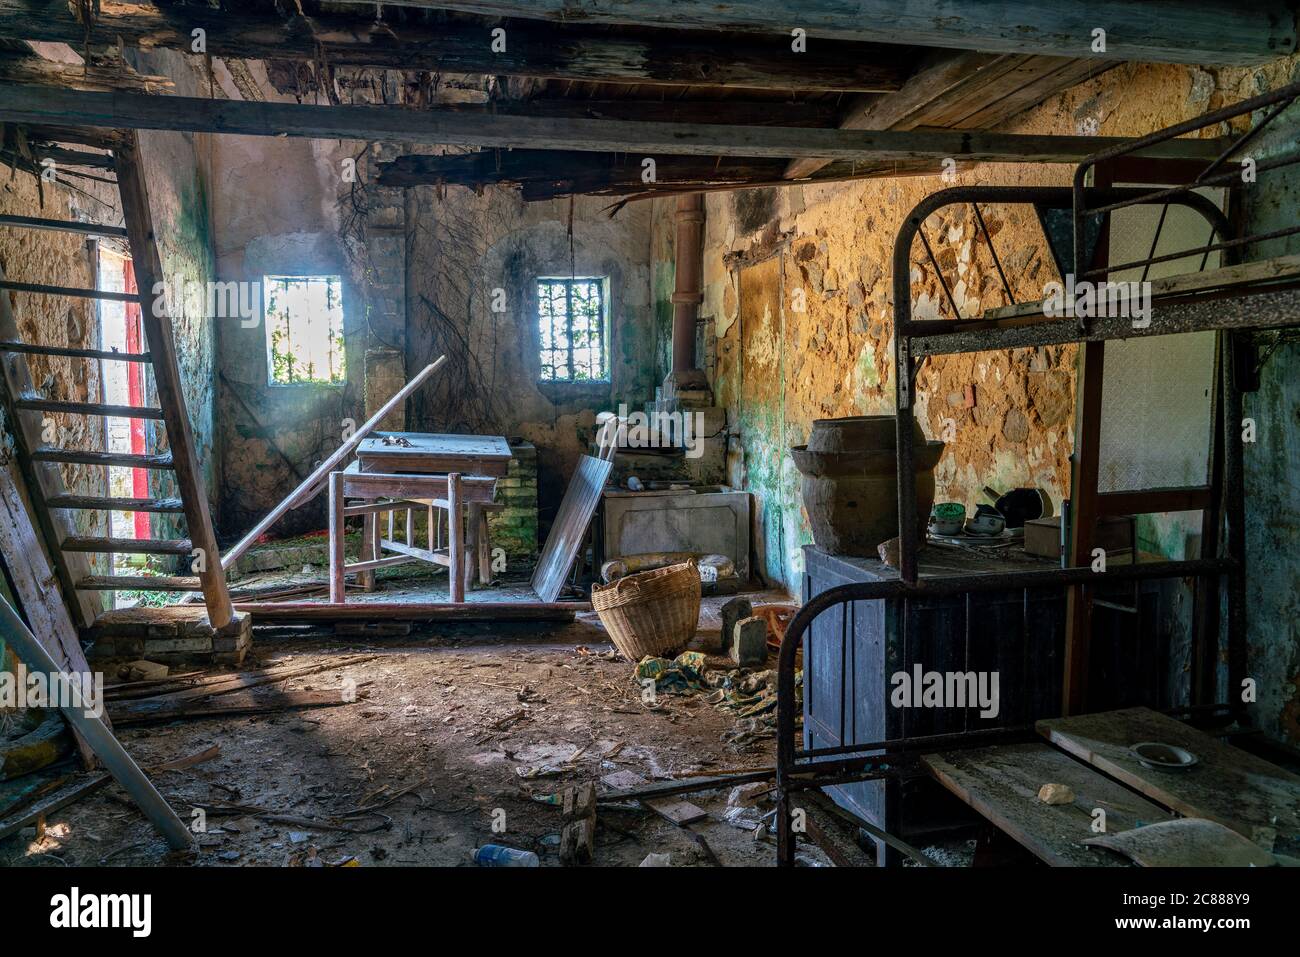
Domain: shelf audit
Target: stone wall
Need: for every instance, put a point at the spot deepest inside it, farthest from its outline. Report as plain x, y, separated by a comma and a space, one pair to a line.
778, 369
798, 293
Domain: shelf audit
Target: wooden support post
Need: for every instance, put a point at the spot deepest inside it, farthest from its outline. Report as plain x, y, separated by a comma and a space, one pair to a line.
336, 537
455, 547
166, 368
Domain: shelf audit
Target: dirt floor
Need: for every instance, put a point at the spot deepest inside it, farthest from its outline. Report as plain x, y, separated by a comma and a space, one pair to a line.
453, 738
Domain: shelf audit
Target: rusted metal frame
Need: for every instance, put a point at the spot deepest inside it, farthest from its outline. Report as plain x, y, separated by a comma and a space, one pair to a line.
956, 311
1006, 287
1211, 247
788, 768
1051, 196
1146, 197
1262, 308
1289, 92
905, 327
1155, 242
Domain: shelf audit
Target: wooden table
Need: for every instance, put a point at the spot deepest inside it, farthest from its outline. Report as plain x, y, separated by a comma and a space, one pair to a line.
406, 471
437, 453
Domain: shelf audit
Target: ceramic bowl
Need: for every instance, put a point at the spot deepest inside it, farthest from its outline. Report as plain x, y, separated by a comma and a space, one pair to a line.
986, 522
947, 518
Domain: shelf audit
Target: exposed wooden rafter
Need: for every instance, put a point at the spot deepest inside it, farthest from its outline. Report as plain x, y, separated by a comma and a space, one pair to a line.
963, 90
25, 104
1190, 31
533, 48
548, 174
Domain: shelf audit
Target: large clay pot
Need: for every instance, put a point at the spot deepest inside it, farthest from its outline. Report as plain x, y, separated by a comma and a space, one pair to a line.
850, 482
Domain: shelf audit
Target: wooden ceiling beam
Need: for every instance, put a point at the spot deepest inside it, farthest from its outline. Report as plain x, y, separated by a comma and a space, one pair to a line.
532, 48
1190, 31
551, 174
965, 90
120, 110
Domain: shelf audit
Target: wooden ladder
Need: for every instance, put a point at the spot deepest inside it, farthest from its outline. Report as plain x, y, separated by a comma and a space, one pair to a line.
41, 462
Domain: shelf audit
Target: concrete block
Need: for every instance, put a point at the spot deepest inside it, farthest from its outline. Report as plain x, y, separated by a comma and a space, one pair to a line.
732, 612
749, 642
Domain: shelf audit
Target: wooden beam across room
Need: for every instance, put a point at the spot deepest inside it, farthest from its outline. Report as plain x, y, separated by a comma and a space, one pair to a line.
120, 110
537, 49
1190, 31
549, 174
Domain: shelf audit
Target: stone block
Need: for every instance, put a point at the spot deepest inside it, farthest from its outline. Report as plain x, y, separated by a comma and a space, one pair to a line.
749, 642
732, 612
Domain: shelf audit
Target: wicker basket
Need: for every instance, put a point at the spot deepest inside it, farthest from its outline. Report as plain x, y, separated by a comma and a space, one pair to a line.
651, 613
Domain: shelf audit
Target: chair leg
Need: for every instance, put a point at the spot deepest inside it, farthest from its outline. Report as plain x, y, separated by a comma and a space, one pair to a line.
455, 547
484, 547
471, 544
369, 550
336, 537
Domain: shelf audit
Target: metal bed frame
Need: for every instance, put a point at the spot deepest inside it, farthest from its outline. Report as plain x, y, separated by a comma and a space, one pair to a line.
1262, 305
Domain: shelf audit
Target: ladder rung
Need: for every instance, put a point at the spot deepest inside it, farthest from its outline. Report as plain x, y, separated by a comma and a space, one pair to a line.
116, 504
138, 583
39, 404
62, 225
32, 348
84, 457
74, 291
128, 546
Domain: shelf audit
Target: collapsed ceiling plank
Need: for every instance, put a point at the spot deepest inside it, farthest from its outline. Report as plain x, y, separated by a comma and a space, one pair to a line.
1202, 31
27, 104
531, 49
965, 90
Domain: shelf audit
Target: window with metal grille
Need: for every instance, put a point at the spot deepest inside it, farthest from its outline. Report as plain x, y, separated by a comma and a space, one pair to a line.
304, 329
572, 324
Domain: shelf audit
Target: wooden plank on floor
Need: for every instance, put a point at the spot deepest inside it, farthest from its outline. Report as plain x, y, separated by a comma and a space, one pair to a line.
1001, 783
412, 611
36, 585
1233, 787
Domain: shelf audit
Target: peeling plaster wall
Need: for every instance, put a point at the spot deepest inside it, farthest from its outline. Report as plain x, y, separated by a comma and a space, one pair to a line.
464, 246
278, 208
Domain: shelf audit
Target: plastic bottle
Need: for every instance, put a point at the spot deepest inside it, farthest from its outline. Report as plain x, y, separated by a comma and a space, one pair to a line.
496, 855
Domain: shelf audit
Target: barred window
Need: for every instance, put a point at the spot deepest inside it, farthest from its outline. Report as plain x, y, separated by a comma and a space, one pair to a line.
572, 324
304, 329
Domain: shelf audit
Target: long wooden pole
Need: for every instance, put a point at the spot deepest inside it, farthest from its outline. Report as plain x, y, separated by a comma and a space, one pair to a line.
96, 733
312, 483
